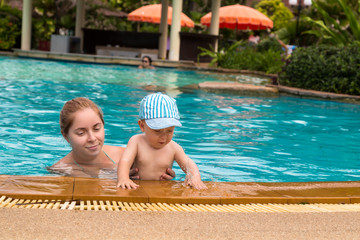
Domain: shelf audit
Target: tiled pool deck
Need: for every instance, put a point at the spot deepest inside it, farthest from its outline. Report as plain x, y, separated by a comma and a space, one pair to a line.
82, 189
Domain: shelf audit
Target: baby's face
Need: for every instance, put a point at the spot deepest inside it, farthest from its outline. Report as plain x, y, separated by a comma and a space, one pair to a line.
157, 138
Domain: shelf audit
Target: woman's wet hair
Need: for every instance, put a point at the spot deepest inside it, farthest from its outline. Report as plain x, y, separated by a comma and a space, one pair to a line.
71, 107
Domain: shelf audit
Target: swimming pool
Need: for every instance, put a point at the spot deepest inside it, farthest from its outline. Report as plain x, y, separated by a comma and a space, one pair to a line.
231, 138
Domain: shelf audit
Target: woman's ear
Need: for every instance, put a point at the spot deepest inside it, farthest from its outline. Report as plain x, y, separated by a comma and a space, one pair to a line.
141, 125
65, 136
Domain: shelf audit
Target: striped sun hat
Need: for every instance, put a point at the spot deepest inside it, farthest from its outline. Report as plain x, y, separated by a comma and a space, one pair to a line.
159, 111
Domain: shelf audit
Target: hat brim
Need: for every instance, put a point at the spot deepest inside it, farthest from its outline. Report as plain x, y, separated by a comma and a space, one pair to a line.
160, 123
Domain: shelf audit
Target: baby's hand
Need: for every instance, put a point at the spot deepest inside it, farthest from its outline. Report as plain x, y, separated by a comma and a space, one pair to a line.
126, 184
195, 182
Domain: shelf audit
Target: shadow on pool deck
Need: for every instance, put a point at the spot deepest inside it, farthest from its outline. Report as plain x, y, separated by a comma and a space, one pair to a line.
71, 188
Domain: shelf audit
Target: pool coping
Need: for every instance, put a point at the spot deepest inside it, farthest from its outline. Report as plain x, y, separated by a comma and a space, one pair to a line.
82, 189
91, 58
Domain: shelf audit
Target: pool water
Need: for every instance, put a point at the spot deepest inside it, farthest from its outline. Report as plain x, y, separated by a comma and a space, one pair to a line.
231, 138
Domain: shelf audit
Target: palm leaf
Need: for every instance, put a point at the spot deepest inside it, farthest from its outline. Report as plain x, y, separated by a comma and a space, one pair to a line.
353, 19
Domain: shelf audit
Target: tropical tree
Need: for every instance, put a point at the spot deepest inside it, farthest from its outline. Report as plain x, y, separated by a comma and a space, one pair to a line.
276, 11
293, 34
337, 22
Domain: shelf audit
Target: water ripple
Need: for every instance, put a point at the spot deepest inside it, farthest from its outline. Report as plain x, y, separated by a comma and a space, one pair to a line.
231, 138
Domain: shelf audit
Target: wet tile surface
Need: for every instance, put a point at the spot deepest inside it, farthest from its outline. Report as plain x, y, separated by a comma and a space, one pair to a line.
105, 189
315, 189
175, 192
3, 178
236, 192
34, 187
69, 188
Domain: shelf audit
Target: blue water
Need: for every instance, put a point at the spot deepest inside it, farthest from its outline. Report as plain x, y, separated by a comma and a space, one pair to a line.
231, 138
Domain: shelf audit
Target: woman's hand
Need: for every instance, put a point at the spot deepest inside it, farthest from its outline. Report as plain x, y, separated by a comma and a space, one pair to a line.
168, 175
134, 174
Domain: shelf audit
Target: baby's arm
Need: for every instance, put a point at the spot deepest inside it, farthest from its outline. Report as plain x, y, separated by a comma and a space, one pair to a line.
125, 164
193, 178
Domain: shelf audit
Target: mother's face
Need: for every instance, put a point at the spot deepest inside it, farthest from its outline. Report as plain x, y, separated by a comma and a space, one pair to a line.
86, 134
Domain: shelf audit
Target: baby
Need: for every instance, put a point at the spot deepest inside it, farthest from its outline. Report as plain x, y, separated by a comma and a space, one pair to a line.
153, 151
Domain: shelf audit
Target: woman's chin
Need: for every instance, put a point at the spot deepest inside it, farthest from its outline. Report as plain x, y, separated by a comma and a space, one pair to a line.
94, 150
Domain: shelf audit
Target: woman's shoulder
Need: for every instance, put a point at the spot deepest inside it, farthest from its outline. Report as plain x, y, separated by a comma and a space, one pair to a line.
64, 166
115, 152
109, 148
65, 160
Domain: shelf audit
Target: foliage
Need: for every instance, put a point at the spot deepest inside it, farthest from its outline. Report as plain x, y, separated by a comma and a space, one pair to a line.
336, 23
43, 21
129, 5
97, 20
324, 68
276, 11
204, 6
267, 44
243, 56
10, 26
218, 57
289, 35
269, 61
43, 28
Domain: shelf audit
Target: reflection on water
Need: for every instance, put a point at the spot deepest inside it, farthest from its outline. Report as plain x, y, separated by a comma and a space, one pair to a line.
231, 138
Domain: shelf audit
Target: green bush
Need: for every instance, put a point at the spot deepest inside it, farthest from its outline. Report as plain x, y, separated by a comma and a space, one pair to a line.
324, 68
269, 44
268, 61
265, 57
10, 26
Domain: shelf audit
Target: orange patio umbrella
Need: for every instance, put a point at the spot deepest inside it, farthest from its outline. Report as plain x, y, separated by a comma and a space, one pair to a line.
152, 14
239, 17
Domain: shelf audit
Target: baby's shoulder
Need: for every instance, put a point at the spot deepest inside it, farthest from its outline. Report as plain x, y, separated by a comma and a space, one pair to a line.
174, 145
137, 138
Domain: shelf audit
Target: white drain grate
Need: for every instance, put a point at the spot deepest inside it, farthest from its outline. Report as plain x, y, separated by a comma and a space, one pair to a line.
94, 205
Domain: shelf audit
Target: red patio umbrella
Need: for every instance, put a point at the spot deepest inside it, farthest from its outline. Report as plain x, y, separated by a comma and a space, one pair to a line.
239, 17
152, 14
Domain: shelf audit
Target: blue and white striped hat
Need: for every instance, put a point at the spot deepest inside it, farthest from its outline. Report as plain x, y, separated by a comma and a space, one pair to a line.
159, 111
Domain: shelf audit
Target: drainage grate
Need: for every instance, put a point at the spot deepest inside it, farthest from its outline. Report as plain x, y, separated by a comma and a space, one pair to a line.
6, 202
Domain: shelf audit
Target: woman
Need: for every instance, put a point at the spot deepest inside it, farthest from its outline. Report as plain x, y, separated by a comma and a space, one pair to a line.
146, 63
82, 126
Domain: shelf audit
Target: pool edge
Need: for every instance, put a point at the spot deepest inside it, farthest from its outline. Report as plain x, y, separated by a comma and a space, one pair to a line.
172, 192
